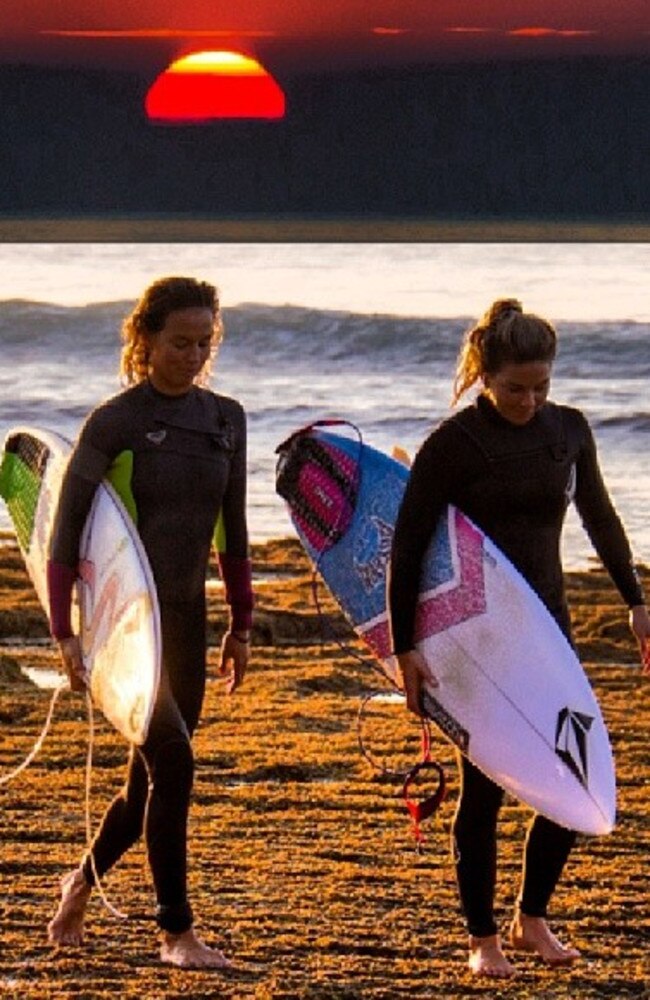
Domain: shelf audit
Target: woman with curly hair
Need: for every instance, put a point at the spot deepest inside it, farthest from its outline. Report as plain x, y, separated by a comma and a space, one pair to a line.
512, 462
176, 453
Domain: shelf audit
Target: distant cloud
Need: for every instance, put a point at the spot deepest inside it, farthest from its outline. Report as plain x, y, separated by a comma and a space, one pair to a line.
390, 31
158, 33
471, 31
532, 32
549, 32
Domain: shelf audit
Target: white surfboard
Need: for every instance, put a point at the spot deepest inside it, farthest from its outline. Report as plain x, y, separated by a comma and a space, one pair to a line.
512, 694
118, 614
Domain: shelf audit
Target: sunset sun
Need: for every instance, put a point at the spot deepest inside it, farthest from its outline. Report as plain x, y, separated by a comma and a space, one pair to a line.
207, 86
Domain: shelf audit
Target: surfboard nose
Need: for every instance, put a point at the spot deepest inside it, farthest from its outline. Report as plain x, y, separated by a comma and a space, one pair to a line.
600, 821
605, 805
588, 809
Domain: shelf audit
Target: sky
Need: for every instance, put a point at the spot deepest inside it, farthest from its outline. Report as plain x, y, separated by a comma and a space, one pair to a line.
302, 33
586, 282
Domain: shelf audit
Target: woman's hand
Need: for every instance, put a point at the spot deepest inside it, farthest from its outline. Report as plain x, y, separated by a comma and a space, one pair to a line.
70, 650
640, 625
414, 672
235, 654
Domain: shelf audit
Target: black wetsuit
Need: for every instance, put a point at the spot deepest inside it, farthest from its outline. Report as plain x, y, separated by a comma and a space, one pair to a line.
179, 463
515, 482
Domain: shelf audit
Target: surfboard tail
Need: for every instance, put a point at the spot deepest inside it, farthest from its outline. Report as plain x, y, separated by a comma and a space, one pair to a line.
21, 474
320, 484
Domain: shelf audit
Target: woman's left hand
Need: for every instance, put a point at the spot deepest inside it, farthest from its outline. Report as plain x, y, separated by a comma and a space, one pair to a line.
235, 654
640, 625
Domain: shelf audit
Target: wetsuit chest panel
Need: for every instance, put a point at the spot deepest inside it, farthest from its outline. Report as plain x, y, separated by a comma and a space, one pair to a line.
521, 472
182, 454
534, 485
179, 480
519, 492
172, 464
176, 462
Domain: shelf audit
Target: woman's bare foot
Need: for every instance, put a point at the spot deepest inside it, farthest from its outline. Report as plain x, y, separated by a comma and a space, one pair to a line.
66, 926
188, 952
533, 934
487, 959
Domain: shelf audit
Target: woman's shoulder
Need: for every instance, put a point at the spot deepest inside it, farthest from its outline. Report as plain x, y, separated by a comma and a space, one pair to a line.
217, 409
457, 423
224, 405
121, 401
570, 417
108, 426
447, 431
229, 404
567, 412
576, 430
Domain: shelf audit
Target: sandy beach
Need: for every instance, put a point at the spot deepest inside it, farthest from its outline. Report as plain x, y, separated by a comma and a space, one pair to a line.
192, 227
303, 867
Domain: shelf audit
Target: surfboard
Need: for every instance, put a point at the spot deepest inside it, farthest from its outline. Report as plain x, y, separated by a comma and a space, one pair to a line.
117, 612
512, 693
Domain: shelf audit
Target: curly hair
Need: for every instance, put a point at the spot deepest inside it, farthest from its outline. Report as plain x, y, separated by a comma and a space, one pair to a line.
150, 314
504, 335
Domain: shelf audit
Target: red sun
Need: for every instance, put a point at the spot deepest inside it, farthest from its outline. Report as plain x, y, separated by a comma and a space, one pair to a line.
206, 86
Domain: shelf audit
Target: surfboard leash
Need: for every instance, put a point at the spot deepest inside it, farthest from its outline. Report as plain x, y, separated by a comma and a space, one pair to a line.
418, 809
324, 535
423, 809
6, 778
337, 489
113, 910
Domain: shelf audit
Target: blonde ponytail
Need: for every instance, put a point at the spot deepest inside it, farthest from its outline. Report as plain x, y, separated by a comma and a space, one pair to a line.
504, 335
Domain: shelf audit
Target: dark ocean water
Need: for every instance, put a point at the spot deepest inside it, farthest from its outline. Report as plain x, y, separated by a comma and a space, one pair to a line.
389, 374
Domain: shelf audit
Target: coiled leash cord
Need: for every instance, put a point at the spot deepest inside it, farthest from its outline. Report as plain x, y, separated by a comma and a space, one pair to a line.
5, 779
422, 809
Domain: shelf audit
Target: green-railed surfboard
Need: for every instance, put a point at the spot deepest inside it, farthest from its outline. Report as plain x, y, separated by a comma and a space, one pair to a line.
117, 607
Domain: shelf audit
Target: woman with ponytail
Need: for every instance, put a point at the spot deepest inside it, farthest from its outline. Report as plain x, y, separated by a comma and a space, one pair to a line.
512, 461
176, 453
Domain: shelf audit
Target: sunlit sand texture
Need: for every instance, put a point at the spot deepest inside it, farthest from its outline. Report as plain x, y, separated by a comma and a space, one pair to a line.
303, 865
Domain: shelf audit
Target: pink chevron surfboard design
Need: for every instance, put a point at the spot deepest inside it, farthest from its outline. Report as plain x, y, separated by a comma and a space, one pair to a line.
512, 694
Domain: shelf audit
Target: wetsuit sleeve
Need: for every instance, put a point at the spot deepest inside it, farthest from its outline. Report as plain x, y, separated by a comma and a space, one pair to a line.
429, 489
86, 469
231, 538
602, 523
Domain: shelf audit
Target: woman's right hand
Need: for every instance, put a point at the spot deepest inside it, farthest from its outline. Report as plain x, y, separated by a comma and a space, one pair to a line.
70, 650
414, 672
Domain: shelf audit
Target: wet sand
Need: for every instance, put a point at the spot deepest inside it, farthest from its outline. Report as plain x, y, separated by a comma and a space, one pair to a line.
303, 866
175, 228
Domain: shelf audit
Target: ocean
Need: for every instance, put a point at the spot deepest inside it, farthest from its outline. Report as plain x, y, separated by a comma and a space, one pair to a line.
364, 332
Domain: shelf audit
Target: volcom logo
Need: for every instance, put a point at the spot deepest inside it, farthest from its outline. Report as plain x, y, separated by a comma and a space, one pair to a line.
571, 734
156, 437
